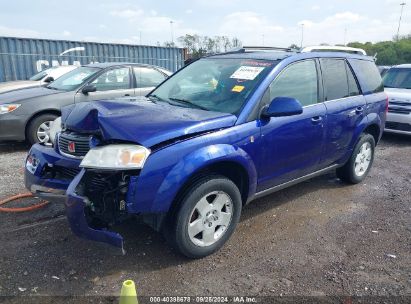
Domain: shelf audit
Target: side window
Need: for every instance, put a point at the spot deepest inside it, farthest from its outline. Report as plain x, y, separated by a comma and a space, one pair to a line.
115, 79
352, 84
298, 81
147, 77
368, 75
335, 78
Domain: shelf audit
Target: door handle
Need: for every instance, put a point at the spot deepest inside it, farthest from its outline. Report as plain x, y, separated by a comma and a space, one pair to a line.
359, 110
316, 119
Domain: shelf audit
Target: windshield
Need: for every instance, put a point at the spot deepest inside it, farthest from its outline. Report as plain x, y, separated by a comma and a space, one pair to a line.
40, 75
74, 79
397, 78
214, 84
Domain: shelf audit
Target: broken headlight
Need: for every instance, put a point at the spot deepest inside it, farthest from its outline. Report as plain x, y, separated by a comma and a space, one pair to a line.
116, 156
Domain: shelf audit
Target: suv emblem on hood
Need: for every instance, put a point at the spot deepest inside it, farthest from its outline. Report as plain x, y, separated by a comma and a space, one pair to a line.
71, 147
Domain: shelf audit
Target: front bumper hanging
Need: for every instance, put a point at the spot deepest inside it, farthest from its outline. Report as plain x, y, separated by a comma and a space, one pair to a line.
64, 191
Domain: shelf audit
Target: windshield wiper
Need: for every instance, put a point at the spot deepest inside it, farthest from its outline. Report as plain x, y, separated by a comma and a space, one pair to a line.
51, 88
155, 97
184, 101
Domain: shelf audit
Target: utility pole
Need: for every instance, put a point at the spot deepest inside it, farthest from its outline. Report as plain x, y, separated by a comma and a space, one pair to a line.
263, 39
399, 22
345, 37
172, 34
302, 35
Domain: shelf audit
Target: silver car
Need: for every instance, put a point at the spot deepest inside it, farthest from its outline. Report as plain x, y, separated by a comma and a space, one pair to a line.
40, 79
27, 114
397, 83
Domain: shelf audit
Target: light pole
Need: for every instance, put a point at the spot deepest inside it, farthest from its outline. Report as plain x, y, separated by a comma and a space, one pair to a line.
399, 22
345, 37
302, 35
263, 39
172, 34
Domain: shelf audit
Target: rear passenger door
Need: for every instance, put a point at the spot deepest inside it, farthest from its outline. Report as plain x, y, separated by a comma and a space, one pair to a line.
147, 79
292, 146
345, 108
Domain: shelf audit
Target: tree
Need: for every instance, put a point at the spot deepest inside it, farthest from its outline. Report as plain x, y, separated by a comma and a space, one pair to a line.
198, 46
169, 44
388, 52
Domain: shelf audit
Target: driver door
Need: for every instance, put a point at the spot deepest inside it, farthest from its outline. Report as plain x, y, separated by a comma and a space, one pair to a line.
112, 83
292, 146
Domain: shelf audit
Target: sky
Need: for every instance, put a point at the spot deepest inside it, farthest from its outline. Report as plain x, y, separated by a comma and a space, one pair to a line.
269, 23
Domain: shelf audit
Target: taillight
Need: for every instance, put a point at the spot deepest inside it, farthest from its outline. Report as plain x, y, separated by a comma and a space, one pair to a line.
386, 105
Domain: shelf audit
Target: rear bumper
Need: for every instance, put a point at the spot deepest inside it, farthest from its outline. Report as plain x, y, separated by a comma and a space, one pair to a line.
64, 191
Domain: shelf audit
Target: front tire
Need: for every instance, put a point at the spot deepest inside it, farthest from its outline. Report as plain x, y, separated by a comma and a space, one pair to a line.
360, 162
39, 127
207, 215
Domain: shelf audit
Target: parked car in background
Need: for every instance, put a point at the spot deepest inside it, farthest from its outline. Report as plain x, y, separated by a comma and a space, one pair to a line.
397, 83
27, 114
221, 132
383, 69
40, 79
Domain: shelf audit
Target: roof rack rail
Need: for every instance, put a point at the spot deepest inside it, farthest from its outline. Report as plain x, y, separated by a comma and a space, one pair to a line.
245, 49
324, 48
266, 48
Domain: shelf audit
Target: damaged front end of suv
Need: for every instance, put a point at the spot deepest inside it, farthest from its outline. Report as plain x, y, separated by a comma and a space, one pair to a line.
92, 176
96, 160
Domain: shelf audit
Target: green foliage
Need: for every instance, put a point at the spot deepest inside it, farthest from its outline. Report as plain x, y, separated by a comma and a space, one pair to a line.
198, 46
388, 52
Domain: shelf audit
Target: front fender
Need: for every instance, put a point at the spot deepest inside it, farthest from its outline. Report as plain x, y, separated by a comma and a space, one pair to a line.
197, 160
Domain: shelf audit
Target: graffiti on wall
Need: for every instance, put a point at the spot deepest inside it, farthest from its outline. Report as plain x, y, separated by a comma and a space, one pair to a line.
44, 64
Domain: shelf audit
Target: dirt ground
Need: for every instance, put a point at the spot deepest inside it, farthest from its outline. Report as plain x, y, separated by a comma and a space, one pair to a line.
319, 238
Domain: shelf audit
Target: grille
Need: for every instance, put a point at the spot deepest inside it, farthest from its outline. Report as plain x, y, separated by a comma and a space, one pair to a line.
80, 142
398, 126
66, 173
399, 107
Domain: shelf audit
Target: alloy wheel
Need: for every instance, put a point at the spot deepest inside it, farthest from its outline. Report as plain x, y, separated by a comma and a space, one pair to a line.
363, 159
210, 218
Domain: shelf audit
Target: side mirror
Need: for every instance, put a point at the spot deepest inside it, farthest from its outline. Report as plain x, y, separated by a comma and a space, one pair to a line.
282, 106
48, 79
88, 88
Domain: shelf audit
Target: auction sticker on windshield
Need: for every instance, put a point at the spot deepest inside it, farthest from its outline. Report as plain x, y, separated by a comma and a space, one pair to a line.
247, 72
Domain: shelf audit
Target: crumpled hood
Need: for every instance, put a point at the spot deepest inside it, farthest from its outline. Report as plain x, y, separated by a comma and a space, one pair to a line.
398, 95
141, 121
18, 96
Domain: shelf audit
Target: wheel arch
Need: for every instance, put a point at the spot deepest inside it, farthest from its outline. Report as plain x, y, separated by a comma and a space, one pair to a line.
37, 114
374, 130
232, 170
221, 159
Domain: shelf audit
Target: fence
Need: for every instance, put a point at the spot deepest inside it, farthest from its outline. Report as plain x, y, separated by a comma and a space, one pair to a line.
21, 58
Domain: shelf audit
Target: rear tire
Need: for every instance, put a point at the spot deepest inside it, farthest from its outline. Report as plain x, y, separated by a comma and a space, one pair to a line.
205, 218
38, 128
358, 166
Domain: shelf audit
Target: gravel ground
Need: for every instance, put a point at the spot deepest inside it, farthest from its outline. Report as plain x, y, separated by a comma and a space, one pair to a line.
319, 238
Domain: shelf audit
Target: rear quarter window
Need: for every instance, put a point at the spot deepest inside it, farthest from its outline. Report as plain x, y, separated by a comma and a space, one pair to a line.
368, 75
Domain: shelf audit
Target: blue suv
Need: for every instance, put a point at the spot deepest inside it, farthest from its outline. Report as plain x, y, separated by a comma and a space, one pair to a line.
219, 133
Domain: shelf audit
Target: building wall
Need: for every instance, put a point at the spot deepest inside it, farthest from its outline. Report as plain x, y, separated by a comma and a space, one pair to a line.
20, 58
